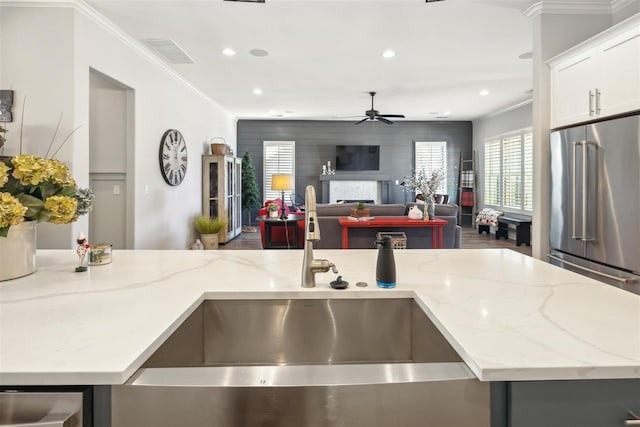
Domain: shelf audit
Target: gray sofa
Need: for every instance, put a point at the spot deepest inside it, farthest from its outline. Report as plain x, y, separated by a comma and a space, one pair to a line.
363, 238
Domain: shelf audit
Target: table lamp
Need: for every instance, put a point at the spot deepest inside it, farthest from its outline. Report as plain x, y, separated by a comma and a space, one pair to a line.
282, 182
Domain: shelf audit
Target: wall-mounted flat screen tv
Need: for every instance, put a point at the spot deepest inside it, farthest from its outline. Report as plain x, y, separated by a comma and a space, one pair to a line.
357, 157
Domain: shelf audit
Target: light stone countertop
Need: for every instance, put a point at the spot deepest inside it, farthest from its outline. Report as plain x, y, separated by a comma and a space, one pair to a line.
509, 316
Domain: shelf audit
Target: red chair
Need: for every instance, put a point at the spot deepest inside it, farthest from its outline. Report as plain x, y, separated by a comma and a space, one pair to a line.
279, 234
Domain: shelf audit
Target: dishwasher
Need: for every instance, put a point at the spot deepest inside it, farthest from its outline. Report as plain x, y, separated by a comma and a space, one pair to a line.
63, 406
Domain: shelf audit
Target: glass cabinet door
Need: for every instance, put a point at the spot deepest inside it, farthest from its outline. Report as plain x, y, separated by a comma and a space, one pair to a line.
221, 192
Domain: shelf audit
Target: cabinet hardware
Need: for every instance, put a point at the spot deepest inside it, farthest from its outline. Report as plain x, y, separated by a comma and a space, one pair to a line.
591, 95
598, 93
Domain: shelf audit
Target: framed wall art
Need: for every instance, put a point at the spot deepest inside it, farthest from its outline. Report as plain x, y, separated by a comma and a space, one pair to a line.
6, 102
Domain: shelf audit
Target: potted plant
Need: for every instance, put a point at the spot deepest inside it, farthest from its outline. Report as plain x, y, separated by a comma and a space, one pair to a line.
360, 211
208, 227
273, 208
34, 189
250, 191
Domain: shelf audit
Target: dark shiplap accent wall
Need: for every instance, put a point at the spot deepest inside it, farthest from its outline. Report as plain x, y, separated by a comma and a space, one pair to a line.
316, 140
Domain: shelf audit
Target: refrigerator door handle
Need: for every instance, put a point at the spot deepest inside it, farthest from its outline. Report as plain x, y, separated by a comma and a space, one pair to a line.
587, 234
574, 234
626, 281
585, 206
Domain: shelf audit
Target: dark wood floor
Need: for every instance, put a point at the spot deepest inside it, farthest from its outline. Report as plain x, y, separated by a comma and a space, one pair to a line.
470, 240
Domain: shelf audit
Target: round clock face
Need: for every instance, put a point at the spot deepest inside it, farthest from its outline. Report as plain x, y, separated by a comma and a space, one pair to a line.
173, 157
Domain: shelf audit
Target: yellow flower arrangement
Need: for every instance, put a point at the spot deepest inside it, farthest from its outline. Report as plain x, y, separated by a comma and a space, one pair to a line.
37, 189
11, 211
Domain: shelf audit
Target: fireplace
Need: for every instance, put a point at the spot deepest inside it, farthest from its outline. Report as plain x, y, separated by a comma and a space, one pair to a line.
371, 188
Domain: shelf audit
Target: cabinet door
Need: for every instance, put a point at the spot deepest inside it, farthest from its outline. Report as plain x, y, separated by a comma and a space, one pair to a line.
583, 403
619, 74
573, 90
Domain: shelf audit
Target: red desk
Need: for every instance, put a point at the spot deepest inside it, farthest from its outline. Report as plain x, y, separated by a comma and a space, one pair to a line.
391, 222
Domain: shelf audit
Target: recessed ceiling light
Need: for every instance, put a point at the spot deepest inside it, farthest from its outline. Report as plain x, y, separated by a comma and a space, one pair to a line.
258, 52
228, 51
447, 113
484, 92
388, 54
257, 91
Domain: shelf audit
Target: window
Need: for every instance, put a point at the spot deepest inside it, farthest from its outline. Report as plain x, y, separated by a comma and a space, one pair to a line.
508, 171
430, 156
279, 158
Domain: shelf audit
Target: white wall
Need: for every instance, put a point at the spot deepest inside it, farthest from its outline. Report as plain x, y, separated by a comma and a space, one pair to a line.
48, 53
552, 34
37, 52
493, 125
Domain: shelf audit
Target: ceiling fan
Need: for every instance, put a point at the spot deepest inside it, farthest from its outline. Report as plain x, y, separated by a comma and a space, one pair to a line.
374, 114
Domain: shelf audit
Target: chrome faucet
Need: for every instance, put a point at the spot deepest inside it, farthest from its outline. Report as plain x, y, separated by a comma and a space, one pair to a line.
312, 266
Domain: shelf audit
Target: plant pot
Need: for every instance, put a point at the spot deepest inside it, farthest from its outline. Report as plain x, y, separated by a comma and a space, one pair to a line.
359, 213
273, 214
209, 241
18, 251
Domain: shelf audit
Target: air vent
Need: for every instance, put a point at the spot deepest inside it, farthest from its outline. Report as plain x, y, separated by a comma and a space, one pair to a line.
169, 50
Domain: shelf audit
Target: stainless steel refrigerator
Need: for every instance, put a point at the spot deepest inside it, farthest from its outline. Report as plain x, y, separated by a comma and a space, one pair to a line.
595, 200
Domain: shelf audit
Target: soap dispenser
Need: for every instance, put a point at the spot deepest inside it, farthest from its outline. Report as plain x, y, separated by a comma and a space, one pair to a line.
386, 265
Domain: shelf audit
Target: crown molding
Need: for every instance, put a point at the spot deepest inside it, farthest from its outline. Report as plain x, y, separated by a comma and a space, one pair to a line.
111, 28
505, 109
577, 7
617, 5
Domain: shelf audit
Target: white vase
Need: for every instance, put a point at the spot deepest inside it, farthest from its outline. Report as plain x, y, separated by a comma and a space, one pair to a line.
415, 213
209, 241
18, 251
273, 214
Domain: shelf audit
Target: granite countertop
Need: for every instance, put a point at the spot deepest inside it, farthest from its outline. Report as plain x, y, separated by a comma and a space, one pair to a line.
509, 316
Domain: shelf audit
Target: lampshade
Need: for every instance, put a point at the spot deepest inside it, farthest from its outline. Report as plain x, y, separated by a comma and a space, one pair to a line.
282, 182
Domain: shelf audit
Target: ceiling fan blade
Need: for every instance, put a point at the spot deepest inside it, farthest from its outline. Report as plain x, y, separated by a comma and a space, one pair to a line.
363, 120
383, 120
401, 116
346, 117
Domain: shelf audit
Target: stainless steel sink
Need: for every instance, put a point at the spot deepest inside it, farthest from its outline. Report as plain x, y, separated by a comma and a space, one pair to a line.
304, 362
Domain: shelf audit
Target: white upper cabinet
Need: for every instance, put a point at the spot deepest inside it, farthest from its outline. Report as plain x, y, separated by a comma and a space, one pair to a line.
597, 78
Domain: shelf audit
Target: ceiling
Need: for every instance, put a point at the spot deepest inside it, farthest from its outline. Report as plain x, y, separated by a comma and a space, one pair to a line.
325, 55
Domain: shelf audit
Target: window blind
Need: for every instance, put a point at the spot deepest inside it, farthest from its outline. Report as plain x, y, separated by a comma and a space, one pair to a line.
528, 171
492, 172
508, 174
278, 158
430, 156
512, 172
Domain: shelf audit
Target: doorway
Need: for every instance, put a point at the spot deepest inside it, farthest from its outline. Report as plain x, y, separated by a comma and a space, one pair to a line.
111, 120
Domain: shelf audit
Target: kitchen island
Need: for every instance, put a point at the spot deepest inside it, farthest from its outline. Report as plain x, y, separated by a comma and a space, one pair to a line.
531, 322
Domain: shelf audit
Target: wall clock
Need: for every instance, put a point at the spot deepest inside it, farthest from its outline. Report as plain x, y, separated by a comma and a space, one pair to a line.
173, 157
